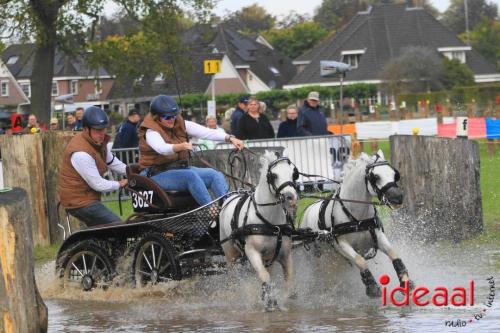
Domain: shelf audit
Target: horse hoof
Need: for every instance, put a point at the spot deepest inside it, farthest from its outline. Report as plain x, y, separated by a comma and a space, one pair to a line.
272, 305
373, 291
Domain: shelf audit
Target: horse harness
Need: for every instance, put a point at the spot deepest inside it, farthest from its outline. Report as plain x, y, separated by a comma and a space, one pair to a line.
238, 234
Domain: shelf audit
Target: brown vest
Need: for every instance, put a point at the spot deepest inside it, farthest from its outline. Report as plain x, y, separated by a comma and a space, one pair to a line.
177, 134
74, 192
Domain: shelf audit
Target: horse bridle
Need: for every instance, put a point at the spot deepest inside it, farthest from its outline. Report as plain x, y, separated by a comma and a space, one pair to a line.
271, 177
371, 178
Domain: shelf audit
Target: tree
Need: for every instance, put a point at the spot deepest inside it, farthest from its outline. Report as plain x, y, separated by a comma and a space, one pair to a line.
417, 69
297, 39
64, 23
454, 16
252, 19
456, 74
485, 39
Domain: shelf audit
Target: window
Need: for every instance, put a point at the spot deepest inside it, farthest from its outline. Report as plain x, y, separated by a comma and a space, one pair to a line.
55, 88
26, 87
12, 60
275, 71
352, 59
455, 52
73, 87
5, 88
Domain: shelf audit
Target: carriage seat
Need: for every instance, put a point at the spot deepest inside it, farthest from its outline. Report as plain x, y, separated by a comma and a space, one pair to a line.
148, 189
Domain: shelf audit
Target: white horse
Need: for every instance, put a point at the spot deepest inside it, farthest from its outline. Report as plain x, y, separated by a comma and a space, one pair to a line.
258, 225
356, 226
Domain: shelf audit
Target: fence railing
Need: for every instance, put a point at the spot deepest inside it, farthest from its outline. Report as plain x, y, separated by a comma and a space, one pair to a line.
318, 155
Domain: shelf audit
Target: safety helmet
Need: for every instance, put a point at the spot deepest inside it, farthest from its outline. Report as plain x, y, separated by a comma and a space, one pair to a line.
164, 106
95, 117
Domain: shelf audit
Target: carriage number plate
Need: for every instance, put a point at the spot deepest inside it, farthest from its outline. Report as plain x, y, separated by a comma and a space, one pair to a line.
143, 200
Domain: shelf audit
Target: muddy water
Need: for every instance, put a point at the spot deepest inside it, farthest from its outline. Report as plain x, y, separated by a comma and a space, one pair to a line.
330, 299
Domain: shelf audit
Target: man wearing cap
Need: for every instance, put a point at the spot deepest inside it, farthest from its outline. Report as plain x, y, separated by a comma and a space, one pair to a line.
54, 124
311, 120
238, 112
127, 132
85, 160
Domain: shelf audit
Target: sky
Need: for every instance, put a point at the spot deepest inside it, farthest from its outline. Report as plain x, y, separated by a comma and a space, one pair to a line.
282, 7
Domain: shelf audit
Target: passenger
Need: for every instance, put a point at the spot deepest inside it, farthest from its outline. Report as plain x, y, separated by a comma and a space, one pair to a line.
164, 152
85, 160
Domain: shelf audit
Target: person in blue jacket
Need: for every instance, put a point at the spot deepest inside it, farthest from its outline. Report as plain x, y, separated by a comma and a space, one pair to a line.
311, 120
240, 110
126, 137
288, 128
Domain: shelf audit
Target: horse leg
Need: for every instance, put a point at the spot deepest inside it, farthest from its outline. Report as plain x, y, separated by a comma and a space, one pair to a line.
255, 258
372, 288
400, 268
287, 265
232, 254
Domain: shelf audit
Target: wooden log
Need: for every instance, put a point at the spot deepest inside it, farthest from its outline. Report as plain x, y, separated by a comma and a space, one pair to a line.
53, 147
440, 181
22, 158
21, 307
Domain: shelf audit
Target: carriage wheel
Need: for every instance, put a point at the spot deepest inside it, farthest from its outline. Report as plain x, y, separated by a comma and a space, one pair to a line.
155, 261
87, 264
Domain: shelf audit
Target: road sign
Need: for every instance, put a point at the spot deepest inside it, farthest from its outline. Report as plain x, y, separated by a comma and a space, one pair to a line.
211, 66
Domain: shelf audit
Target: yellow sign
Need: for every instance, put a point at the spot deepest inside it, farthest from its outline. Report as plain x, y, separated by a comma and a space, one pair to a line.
211, 66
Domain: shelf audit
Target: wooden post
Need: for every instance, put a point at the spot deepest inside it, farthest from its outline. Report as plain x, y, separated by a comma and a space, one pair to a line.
21, 306
53, 147
440, 181
22, 158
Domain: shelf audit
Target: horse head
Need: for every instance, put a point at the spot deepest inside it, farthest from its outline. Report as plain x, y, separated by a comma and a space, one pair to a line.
280, 174
382, 180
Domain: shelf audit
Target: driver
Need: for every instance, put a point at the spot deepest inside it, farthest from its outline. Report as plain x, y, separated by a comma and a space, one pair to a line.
164, 152
85, 160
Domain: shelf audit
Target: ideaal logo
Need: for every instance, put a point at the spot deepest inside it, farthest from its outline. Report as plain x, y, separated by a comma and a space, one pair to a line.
441, 296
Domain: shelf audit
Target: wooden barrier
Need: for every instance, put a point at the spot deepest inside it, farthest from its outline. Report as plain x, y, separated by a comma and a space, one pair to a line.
440, 180
21, 307
22, 158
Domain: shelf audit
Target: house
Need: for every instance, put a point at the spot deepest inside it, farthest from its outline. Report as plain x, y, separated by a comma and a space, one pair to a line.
375, 37
12, 96
249, 64
72, 75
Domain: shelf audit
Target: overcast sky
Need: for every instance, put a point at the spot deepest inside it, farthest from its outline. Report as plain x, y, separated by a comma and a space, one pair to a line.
283, 7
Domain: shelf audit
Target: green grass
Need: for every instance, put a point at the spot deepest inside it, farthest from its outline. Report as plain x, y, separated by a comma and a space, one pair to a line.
45, 253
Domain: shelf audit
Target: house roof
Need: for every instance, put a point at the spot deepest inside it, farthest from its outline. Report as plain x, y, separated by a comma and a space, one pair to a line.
383, 32
64, 65
190, 80
272, 67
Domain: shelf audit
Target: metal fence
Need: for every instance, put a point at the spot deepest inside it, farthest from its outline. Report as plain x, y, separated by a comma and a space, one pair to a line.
319, 155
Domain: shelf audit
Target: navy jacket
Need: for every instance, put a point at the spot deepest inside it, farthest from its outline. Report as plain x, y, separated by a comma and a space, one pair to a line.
252, 129
126, 136
311, 121
235, 118
287, 129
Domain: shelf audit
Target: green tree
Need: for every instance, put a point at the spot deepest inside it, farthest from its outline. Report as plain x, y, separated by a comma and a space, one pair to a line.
297, 39
64, 24
454, 16
485, 39
456, 74
417, 69
252, 19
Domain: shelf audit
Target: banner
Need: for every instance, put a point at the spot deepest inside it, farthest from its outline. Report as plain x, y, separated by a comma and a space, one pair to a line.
492, 128
17, 122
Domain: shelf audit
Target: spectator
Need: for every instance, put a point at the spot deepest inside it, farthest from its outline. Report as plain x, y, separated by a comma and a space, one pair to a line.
126, 136
288, 128
253, 124
211, 122
54, 124
226, 121
70, 122
238, 112
85, 160
311, 120
32, 126
78, 123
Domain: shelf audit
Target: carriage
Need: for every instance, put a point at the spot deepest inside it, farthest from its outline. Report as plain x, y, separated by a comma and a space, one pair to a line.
168, 237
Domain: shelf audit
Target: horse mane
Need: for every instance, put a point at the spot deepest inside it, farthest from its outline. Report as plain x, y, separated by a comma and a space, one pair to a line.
265, 160
352, 163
